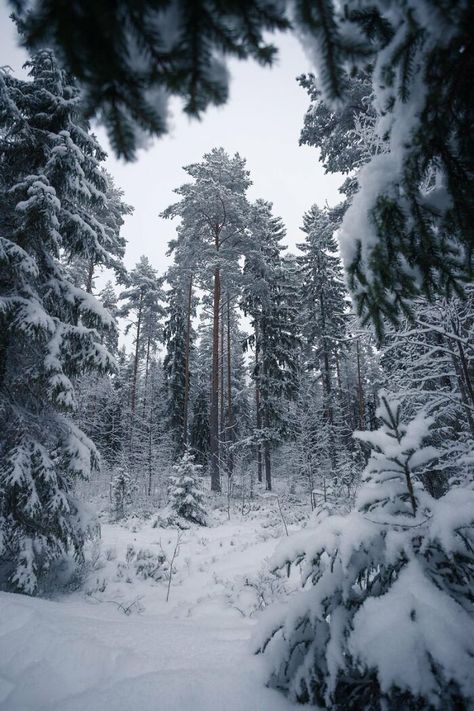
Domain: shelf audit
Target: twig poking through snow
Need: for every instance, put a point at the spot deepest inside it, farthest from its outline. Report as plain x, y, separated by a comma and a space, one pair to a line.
174, 556
281, 514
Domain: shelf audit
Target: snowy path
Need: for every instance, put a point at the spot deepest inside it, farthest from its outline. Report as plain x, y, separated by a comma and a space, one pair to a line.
192, 653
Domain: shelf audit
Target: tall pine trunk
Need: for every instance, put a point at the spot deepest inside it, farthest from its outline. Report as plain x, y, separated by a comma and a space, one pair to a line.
360, 391
133, 397
258, 409
230, 412
222, 422
150, 444
147, 367
267, 459
186, 361
326, 366
214, 410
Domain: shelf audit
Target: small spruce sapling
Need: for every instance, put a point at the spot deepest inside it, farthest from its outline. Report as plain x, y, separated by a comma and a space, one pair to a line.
123, 489
186, 498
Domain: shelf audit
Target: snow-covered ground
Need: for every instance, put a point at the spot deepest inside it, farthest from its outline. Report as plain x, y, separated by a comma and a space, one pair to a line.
81, 651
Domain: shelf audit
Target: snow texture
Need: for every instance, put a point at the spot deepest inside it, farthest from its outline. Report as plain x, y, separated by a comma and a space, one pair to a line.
73, 653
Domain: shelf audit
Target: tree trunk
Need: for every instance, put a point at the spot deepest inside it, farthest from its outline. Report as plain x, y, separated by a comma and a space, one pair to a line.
230, 412
222, 431
326, 367
360, 391
90, 276
267, 457
258, 411
150, 444
133, 398
464, 395
186, 362
266, 419
147, 366
465, 372
214, 410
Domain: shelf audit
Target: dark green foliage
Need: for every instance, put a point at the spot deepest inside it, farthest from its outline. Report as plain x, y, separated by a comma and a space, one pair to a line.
417, 236
131, 55
269, 298
200, 441
176, 361
332, 131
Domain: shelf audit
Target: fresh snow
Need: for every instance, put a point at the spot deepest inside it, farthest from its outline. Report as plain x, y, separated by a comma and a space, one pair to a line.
81, 652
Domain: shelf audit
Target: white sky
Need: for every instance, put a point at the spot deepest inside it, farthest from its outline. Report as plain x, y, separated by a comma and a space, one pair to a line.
262, 121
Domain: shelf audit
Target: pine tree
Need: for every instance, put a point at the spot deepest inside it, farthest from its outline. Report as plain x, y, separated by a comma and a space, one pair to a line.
51, 186
213, 210
186, 498
375, 576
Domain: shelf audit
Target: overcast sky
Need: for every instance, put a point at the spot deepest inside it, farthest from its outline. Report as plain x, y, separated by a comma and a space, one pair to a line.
261, 121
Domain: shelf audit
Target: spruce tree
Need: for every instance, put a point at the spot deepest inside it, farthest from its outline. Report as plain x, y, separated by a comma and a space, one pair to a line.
362, 634
407, 231
179, 338
51, 188
269, 297
186, 498
213, 210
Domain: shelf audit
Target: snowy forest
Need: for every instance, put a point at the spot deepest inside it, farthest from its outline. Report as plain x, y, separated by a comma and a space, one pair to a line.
245, 480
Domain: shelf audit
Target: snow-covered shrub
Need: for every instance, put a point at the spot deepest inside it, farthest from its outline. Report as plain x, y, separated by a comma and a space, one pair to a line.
143, 564
123, 488
149, 565
186, 498
385, 617
250, 594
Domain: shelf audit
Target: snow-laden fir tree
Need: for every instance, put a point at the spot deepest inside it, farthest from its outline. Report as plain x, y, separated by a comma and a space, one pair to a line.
52, 190
179, 338
323, 295
407, 230
186, 496
385, 617
269, 298
200, 408
123, 488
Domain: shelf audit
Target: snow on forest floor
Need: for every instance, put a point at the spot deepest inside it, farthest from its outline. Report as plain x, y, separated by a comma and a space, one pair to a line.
116, 644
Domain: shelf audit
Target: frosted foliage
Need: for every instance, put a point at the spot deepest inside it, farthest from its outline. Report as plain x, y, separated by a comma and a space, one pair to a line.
384, 619
428, 361
406, 230
56, 207
186, 498
123, 488
397, 450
